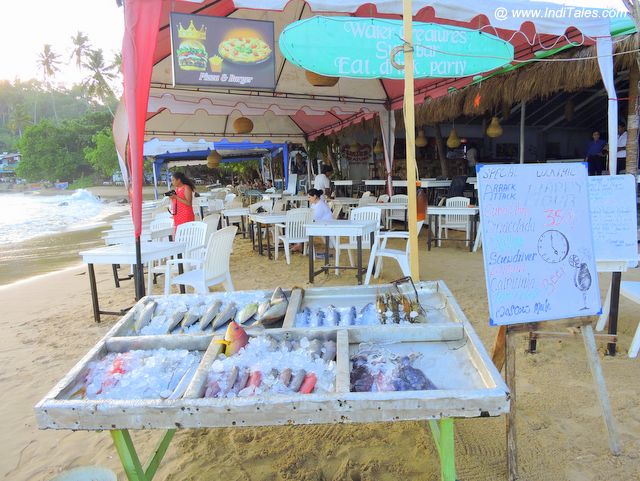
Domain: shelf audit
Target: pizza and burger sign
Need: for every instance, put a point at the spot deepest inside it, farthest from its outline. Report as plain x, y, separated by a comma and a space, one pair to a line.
222, 52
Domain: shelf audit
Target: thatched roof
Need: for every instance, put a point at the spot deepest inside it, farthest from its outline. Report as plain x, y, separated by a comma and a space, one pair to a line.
535, 81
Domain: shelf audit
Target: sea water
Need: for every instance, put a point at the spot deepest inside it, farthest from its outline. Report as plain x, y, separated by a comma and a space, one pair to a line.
26, 216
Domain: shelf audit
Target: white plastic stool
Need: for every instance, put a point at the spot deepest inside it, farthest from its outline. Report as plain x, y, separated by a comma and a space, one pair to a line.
631, 290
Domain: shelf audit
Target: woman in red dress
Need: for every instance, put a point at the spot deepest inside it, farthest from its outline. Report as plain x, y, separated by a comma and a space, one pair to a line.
181, 200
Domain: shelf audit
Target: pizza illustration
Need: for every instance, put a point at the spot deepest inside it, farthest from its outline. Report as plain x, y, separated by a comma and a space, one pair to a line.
244, 50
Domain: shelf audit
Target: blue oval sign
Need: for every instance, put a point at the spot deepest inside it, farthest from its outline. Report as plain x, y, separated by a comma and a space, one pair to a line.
361, 48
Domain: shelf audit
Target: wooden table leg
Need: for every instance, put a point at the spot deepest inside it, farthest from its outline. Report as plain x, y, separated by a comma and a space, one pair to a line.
266, 230
326, 255
94, 292
429, 232
311, 255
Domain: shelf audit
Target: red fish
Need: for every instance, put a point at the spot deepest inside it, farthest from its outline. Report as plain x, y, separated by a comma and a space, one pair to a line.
308, 384
255, 379
237, 338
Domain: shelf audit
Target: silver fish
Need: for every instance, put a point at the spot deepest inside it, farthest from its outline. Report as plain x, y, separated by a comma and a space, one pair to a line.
278, 296
331, 318
262, 308
246, 312
184, 382
241, 381
315, 348
231, 379
174, 319
274, 314
303, 318
296, 380
224, 316
210, 314
190, 318
145, 316
328, 351
285, 376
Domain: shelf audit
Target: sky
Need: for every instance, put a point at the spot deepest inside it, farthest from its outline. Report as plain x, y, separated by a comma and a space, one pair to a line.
29, 24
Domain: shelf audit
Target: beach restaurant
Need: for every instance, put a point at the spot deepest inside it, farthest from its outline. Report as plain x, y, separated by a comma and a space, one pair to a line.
436, 367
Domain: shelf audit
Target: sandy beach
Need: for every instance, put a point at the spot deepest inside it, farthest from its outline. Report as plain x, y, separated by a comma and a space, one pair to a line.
48, 326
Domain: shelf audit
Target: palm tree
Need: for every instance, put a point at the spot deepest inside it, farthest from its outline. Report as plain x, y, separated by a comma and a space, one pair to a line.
96, 85
80, 48
633, 119
19, 118
49, 61
117, 61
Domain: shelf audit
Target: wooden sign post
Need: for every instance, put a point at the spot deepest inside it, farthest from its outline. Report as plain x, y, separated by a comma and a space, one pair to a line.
540, 266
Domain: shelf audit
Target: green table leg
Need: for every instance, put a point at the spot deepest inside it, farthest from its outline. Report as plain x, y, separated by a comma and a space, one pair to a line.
442, 431
129, 457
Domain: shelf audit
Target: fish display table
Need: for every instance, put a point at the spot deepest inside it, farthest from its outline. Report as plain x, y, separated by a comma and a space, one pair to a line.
124, 254
442, 372
338, 228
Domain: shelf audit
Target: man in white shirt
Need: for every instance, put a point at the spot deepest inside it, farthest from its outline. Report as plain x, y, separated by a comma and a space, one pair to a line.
321, 211
322, 182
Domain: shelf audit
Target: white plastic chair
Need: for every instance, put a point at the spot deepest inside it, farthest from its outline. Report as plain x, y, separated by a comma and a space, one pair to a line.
397, 214
631, 290
453, 221
359, 213
292, 231
278, 206
366, 200
211, 270
160, 224
380, 250
228, 198
212, 221
383, 198
193, 235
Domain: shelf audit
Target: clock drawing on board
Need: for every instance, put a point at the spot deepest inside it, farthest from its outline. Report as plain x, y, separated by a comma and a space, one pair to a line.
553, 246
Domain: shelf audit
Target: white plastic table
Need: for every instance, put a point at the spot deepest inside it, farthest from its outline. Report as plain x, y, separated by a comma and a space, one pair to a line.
241, 212
265, 220
125, 254
338, 228
435, 213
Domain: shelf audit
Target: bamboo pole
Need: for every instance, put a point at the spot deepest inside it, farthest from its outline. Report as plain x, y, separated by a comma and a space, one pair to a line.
409, 125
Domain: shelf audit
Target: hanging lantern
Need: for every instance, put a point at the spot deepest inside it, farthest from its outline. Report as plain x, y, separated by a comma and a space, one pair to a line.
494, 129
378, 148
354, 147
318, 80
453, 142
569, 109
213, 159
421, 140
242, 125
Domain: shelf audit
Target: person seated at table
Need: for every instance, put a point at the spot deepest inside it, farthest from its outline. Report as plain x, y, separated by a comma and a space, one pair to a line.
321, 211
182, 199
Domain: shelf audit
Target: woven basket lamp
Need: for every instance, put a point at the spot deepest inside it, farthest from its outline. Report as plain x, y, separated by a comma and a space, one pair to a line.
213, 159
318, 80
242, 125
495, 129
453, 142
421, 140
378, 148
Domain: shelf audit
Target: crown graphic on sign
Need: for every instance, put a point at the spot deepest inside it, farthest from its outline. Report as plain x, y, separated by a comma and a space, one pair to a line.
192, 33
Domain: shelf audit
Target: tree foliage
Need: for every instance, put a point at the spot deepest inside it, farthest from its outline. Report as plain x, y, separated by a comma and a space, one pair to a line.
56, 151
102, 155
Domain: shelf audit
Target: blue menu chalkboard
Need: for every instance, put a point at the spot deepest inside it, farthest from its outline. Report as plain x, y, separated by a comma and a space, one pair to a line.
537, 242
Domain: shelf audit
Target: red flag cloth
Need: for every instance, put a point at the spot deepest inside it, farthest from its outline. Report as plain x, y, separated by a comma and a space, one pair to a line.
141, 25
